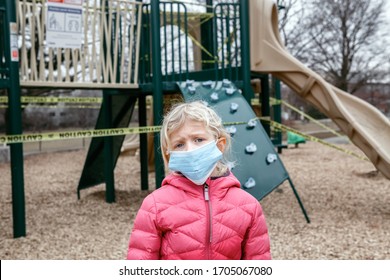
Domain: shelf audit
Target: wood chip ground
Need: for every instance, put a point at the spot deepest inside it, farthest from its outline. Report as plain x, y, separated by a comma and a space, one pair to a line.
346, 199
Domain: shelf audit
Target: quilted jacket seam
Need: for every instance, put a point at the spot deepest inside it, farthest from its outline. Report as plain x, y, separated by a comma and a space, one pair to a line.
238, 233
155, 210
223, 240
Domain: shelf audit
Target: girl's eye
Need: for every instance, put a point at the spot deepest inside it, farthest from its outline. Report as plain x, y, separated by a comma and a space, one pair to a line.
199, 140
179, 146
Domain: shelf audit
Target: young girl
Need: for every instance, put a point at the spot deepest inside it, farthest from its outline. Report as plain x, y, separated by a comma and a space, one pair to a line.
200, 211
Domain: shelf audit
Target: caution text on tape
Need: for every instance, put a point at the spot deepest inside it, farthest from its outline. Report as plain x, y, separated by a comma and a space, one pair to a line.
23, 138
53, 99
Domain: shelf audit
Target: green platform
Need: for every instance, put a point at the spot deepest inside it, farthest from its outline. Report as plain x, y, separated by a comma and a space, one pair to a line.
296, 139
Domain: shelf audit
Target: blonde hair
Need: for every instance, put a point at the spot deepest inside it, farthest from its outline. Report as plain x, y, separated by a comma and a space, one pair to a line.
196, 111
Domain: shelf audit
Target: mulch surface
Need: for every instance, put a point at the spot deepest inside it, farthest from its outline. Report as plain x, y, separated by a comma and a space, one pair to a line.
345, 198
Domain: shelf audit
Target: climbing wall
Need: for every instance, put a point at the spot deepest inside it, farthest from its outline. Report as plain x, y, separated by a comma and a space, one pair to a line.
257, 165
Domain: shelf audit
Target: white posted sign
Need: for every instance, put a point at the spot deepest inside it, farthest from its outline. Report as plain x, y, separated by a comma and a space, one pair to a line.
64, 24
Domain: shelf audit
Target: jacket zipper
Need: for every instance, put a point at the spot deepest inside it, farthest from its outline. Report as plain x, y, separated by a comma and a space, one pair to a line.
209, 231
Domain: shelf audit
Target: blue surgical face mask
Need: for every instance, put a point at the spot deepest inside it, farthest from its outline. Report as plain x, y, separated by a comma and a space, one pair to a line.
198, 164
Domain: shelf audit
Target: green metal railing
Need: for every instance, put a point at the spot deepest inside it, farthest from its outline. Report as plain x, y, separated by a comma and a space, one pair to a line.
179, 43
174, 43
227, 29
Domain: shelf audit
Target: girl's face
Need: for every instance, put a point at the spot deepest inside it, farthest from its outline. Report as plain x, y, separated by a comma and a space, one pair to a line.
193, 135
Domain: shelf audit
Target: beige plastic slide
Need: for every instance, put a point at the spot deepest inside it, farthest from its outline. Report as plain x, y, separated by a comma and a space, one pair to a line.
364, 124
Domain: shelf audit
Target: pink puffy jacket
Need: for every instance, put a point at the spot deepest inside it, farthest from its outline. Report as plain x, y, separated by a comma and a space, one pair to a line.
181, 220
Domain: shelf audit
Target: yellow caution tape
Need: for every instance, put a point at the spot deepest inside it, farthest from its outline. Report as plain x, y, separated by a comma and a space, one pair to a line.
52, 99
68, 102
315, 139
274, 101
66, 135
24, 138
282, 127
31, 105
47, 99
310, 118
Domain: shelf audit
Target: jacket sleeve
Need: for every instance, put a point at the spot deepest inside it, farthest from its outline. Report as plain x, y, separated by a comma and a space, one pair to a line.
256, 245
145, 239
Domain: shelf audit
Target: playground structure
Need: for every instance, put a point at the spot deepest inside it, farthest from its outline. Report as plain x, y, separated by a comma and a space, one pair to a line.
132, 50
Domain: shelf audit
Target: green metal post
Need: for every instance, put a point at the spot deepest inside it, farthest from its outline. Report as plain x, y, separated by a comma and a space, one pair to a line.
108, 147
207, 37
264, 101
142, 120
108, 140
143, 140
277, 109
299, 201
15, 127
157, 89
245, 50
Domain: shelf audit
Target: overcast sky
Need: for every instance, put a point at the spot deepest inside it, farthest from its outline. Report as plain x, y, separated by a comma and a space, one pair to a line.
388, 11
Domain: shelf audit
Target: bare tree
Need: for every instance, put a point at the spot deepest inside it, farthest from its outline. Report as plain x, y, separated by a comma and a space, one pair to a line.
291, 20
343, 40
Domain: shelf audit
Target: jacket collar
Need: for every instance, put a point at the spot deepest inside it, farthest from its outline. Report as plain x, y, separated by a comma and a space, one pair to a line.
218, 186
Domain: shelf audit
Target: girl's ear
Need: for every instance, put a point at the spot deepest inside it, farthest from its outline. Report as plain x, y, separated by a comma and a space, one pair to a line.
165, 156
221, 144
